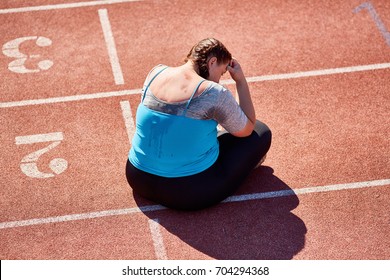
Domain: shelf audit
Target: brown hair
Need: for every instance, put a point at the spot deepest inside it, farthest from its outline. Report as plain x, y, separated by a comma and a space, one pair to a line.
204, 50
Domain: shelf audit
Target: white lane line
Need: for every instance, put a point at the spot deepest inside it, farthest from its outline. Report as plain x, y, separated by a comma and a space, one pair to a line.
314, 73
111, 48
128, 118
249, 79
158, 241
63, 6
245, 197
69, 98
337, 187
83, 216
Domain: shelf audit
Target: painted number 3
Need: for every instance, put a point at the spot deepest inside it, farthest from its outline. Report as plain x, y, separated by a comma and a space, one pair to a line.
28, 164
12, 49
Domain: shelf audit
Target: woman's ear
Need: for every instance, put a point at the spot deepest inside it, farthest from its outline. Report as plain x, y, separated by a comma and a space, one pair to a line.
213, 60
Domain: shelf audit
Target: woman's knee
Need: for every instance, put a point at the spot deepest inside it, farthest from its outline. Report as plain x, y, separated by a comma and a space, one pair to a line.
263, 131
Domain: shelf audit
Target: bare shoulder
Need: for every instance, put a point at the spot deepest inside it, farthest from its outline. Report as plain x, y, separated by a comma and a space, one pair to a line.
155, 70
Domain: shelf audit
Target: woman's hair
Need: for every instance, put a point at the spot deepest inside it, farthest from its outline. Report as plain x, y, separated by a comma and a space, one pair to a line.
204, 50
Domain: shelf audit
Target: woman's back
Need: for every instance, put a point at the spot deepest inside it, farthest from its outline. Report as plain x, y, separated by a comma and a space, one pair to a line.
172, 145
176, 84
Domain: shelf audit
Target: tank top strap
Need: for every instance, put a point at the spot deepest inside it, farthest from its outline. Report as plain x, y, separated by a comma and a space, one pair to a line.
189, 100
151, 80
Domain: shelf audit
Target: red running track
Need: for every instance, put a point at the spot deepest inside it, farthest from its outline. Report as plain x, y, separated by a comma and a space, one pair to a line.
331, 131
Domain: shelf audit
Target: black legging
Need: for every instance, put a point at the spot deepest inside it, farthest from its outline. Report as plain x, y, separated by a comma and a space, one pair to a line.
237, 157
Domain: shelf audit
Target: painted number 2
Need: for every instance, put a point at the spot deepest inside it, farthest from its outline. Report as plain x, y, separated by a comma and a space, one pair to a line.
28, 164
12, 49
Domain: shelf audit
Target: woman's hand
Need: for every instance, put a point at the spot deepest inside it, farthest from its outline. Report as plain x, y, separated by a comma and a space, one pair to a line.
235, 70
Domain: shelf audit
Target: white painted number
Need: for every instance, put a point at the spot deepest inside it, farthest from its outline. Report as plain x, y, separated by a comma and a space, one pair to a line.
28, 164
12, 49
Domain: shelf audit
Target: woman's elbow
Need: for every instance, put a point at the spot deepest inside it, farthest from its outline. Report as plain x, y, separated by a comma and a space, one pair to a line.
246, 131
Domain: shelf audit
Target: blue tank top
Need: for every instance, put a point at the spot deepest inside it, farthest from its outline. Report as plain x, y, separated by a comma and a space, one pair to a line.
172, 146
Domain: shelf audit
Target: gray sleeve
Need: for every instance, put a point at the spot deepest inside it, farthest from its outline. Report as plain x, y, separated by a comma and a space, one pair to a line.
228, 113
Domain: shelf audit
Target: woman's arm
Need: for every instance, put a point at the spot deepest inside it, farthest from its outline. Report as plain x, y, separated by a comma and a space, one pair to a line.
244, 98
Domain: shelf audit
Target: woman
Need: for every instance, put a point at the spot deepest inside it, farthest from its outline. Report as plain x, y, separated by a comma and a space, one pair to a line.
177, 158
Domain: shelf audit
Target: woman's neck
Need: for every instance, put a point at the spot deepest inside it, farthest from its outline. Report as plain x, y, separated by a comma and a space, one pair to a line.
191, 67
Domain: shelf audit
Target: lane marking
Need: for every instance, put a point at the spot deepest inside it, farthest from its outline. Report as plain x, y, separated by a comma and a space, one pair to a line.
313, 73
128, 118
254, 79
158, 241
237, 198
329, 188
61, 99
64, 6
375, 17
83, 216
111, 48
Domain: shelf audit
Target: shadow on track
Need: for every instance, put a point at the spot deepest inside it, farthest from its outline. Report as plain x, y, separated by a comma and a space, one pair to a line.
252, 229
